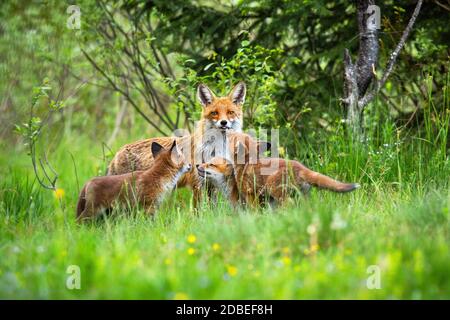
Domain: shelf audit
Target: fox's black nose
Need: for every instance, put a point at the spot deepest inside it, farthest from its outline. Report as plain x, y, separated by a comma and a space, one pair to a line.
196, 165
200, 169
224, 122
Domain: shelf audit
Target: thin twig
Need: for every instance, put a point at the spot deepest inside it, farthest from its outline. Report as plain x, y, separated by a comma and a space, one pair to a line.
125, 94
442, 5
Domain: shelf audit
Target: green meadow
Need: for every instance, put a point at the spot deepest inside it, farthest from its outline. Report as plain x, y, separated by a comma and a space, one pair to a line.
316, 247
78, 82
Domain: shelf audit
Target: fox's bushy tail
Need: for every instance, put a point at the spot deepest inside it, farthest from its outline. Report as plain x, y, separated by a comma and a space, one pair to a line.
322, 181
81, 205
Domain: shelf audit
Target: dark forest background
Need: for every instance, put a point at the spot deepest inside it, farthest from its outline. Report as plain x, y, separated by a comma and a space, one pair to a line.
137, 63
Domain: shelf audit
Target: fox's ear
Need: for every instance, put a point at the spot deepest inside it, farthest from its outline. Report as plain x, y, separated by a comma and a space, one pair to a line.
174, 145
263, 146
204, 94
156, 149
237, 94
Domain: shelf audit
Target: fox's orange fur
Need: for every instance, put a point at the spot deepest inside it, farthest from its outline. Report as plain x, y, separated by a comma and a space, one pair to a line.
219, 116
219, 172
255, 180
146, 188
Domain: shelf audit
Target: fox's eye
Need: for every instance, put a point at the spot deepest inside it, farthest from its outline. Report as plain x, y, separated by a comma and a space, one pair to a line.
230, 113
213, 165
214, 113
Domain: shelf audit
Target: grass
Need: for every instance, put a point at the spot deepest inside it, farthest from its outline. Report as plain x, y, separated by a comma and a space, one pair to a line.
321, 247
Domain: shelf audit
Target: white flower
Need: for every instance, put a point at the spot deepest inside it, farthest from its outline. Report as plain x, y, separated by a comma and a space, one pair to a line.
338, 223
312, 229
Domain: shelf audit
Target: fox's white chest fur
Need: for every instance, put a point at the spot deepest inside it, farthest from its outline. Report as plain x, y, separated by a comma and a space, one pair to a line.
170, 184
213, 143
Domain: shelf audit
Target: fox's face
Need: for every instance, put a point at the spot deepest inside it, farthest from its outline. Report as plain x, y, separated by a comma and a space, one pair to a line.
222, 113
217, 170
173, 157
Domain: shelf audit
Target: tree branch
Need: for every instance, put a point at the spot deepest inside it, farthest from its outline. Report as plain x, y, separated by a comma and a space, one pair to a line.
393, 58
443, 6
124, 93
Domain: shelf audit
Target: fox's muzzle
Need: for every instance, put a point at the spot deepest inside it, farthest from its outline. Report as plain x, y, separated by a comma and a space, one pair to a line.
223, 124
201, 171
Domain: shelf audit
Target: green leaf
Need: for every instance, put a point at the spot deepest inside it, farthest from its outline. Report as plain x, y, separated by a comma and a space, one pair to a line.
209, 66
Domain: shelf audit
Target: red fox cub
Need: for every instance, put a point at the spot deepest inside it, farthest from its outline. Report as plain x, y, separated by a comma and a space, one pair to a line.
219, 172
267, 178
219, 116
148, 188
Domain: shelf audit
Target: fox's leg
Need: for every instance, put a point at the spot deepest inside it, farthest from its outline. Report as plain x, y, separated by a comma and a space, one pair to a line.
197, 197
236, 201
305, 188
251, 200
89, 212
281, 188
197, 189
212, 194
150, 210
91, 207
278, 199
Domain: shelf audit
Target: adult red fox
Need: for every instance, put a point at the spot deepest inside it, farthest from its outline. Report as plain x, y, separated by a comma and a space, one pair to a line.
219, 116
264, 178
146, 188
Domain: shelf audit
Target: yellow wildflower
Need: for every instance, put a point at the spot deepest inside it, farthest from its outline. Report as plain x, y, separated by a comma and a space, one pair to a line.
191, 251
167, 261
191, 238
216, 246
286, 260
181, 296
232, 270
58, 193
